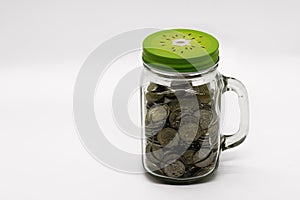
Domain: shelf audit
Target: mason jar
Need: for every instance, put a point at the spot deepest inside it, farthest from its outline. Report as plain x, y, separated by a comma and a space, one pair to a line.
181, 103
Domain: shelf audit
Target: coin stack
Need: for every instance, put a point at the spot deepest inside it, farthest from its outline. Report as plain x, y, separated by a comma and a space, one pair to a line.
182, 130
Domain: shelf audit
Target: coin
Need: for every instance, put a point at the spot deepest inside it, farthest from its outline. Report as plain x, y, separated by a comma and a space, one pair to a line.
190, 93
168, 136
153, 139
189, 104
214, 138
189, 119
203, 93
174, 105
201, 89
188, 156
149, 155
213, 128
205, 118
152, 129
157, 152
208, 161
175, 118
189, 132
175, 169
200, 172
181, 129
157, 113
153, 96
201, 154
149, 132
169, 157
196, 145
168, 100
206, 142
170, 93
152, 87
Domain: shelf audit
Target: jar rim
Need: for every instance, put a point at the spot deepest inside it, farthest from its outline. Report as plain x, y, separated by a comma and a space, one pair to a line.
179, 75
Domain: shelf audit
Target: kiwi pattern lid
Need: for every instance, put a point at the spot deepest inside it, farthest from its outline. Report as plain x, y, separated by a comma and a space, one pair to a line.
180, 50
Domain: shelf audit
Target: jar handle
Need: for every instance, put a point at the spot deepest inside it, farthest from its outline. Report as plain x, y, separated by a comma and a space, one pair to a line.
232, 84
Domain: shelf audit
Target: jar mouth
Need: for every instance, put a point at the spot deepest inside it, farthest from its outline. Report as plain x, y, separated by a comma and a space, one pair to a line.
179, 75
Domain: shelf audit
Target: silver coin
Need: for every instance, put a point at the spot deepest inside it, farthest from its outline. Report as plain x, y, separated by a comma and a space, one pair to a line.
205, 118
157, 113
153, 96
175, 169
208, 161
189, 132
168, 136
202, 154
188, 156
149, 154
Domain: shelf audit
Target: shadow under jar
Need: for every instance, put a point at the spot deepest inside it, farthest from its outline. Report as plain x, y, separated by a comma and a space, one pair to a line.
181, 94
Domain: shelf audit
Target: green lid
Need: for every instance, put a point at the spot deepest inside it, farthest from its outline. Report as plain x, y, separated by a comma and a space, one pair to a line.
182, 50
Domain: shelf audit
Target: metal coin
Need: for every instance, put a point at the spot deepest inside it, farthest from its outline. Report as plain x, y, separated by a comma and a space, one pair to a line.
170, 93
175, 169
150, 132
208, 161
168, 136
201, 154
175, 118
213, 128
168, 100
153, 128
196, 145
188, 156
154, 87
200, 172
189, 104
189, 132
149, 155
153, 140
189, 119
201, 89
204, 98
190, 93
189, 171
153, 96
214, 137
205, 118
174, 105
206, 143
203, 93
157, 152
169, 157
157, 113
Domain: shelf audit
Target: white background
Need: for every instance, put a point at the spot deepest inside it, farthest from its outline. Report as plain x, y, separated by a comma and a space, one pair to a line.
43, 45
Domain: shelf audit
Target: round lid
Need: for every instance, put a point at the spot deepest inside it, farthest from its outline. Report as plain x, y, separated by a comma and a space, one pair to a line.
181, 50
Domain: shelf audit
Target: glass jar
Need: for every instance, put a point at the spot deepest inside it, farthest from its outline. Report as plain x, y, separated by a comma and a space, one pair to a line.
181, 99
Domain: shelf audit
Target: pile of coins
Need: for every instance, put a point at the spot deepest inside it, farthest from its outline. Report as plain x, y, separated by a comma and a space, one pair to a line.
181, 127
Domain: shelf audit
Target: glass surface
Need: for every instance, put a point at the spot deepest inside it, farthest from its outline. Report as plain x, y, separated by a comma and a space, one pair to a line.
181, 121
181, 124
